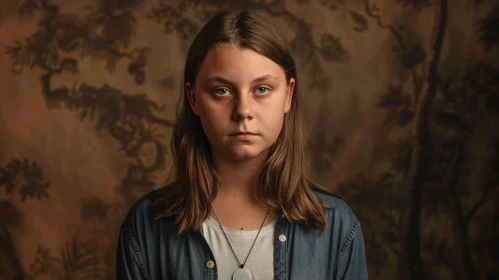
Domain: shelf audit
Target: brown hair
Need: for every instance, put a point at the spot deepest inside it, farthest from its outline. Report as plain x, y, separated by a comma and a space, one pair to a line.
284, 184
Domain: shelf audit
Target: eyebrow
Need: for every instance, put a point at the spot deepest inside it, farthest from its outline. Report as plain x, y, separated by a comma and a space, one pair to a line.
223, 80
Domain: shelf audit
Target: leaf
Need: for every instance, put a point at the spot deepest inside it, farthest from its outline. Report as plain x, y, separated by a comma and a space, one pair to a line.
413, 57
79, 262
32, 184
28, 7
186, 28
482, 78
405, 116
332, 49
94, 207
118, 28
360, 21
488, 31
393, 98
7, 179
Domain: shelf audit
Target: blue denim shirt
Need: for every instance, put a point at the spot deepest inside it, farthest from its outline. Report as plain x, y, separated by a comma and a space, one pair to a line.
151, 249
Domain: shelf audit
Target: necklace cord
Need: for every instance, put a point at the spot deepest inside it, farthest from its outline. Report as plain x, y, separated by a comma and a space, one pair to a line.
230, 245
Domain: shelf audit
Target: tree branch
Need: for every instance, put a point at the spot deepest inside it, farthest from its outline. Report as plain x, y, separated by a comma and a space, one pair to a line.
413, 268
417, 79
484, 199
370, 12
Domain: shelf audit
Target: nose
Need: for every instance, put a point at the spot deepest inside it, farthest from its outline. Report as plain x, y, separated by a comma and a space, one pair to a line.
242, 109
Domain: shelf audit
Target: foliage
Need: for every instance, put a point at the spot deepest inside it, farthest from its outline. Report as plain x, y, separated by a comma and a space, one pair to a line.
489, 34
398, 104
28, 7
174, 19
129, 118
62, 40
483, 78
417, 4
77, 260
360, 22
323, 152
379, 202
94, 207
401, 157
331, 48
413, 57
25, 177
103, 33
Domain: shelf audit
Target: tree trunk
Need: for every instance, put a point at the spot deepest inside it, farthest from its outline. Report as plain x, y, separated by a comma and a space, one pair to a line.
411, 252
465, 267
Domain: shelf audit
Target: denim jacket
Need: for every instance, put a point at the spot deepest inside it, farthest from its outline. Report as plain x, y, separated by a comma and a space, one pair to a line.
151, 249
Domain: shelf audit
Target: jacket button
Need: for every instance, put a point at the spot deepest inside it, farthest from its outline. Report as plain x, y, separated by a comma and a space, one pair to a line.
210, 264
282, 238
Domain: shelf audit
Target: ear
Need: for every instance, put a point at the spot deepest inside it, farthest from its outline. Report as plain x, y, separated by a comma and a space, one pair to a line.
289, 95
191, 96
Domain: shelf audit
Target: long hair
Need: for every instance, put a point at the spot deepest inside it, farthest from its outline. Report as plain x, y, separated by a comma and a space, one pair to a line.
283, 182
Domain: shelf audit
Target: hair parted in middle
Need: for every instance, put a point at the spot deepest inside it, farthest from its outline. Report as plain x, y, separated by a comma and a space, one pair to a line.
283, 182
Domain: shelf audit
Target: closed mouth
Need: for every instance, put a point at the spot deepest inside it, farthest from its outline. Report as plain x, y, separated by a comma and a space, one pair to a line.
242, 133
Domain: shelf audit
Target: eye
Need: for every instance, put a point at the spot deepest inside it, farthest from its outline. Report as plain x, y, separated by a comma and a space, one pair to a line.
222, 91
259, 90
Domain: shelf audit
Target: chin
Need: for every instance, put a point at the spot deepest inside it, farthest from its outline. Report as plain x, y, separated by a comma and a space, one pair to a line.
245, 154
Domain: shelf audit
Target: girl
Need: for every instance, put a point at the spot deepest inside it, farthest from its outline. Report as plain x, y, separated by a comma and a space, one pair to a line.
240, 205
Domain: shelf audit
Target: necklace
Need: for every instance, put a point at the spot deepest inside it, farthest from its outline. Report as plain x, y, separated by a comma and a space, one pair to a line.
241, 273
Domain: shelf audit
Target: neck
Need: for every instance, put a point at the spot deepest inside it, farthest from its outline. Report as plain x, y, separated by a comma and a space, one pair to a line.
239, 178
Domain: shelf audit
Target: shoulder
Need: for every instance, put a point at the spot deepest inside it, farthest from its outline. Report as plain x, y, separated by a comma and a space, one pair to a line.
340, 218
139, 216
338, 204
345, 236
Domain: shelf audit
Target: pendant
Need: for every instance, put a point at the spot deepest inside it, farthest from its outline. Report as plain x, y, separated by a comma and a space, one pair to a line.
242, 274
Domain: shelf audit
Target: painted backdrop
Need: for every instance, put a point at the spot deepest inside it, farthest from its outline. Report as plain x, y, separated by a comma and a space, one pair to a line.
401, 105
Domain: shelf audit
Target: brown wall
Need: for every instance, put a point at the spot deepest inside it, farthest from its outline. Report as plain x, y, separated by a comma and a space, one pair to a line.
401, 114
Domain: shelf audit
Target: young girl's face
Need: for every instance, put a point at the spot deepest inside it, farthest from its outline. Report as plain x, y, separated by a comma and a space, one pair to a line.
238, 90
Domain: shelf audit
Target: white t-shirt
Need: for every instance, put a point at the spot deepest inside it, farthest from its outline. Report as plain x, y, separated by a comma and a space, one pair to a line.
261, 260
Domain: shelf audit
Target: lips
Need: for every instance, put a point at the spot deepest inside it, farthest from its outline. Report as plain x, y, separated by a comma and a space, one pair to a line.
243, 136
242, 133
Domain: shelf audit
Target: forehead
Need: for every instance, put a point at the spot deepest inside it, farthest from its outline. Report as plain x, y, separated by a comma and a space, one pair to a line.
238, 63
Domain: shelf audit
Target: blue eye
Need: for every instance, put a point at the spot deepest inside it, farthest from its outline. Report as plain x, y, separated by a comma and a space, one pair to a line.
217, 91
258, 90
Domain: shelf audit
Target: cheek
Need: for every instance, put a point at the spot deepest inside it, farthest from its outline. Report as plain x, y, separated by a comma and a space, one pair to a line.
211, 121
274, 124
